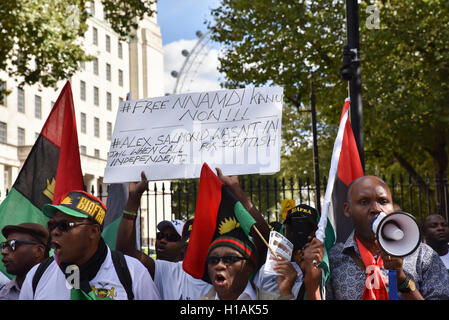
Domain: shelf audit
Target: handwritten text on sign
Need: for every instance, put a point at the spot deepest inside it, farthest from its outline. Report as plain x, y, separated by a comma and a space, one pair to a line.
171, 137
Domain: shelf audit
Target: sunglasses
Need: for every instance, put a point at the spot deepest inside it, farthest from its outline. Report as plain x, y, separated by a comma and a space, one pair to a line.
227, 260
65, 225
171, 237
13, 244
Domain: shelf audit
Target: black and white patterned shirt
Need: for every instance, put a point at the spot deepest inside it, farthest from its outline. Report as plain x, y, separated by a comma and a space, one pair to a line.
347, 281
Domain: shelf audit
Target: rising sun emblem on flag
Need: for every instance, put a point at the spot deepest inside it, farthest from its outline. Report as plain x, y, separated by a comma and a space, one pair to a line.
50, 190
228, 224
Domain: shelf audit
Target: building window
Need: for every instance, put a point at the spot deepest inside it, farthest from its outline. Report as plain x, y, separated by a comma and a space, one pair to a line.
7, 177
108, 43
96, 153
95, 65
120, 49
82, 90
38, 107
20, 100
96, 96
20, 137
2, 95
94, 36
97, 127
108, 100
109, 130
120, 78
3, 132
82, 65
83, 122
108, 72
83, 150
92, 8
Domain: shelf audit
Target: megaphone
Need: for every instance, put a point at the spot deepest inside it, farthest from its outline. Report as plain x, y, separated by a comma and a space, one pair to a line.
397, 233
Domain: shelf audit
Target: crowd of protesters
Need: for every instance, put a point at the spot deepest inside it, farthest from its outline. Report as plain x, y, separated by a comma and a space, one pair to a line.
81, 266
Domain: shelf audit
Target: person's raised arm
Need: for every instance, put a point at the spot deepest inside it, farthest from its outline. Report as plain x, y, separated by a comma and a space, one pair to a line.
234, 185
126, 235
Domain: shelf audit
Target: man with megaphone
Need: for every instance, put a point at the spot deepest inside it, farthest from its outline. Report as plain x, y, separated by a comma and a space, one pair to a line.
383, 241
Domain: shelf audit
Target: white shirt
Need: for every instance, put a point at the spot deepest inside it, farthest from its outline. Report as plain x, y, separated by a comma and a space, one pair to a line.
248, 294
3, 279
10, 291
445, 259
269, 282
53, 285
176, 284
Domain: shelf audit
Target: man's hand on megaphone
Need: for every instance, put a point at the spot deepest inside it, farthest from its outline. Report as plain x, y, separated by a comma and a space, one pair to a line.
395, 263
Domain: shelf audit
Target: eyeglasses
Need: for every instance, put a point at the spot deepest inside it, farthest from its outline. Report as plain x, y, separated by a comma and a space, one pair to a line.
13, 244
65, 225
227, 260
171, 237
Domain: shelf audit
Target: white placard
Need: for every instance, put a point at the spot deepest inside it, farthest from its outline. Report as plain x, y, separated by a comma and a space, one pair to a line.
281, 246
170, 137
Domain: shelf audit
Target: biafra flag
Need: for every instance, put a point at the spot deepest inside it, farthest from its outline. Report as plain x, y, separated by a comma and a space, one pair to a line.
217, 212
349, 168
51, 169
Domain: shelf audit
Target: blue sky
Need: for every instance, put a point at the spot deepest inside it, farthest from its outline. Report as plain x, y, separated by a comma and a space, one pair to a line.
179, 20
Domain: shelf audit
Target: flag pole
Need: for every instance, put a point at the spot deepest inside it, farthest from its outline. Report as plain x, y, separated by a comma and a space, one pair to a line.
265, 241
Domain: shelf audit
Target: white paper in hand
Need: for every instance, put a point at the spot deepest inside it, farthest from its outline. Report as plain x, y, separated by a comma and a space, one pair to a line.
281, 246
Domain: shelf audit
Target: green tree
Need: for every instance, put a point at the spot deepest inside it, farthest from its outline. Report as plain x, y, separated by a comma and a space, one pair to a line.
42, 39
405, 72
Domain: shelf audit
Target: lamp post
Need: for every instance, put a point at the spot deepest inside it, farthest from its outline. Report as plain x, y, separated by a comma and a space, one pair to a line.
350, 71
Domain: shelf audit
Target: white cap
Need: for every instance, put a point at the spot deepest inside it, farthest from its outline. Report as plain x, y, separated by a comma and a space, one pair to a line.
175, 224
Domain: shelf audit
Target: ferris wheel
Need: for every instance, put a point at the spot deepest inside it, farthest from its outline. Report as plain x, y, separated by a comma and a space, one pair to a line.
193, 61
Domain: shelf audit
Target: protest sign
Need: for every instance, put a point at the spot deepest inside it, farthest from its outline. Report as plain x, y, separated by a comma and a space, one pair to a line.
170, 137
281, 246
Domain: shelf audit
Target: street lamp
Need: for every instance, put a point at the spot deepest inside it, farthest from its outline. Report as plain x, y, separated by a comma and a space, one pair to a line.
350, 71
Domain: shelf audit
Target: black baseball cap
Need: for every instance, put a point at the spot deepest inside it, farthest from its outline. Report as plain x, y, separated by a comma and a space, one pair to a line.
302, 210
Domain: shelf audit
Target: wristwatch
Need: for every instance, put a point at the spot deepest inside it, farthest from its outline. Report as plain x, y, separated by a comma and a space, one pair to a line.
407, 286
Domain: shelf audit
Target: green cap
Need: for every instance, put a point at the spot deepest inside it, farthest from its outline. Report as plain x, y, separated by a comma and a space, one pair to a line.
78, 204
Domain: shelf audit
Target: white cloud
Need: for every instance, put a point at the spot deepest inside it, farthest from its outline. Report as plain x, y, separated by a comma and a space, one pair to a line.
200, 72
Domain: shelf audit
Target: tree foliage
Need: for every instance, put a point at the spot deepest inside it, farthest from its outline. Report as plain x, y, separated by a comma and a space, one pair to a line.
42, 39
405, 74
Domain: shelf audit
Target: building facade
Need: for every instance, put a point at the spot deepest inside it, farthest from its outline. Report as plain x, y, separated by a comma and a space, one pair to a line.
118, 68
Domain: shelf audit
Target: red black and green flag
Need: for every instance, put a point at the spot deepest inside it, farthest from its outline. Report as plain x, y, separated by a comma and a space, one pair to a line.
52, 168
217, 212
345, 167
